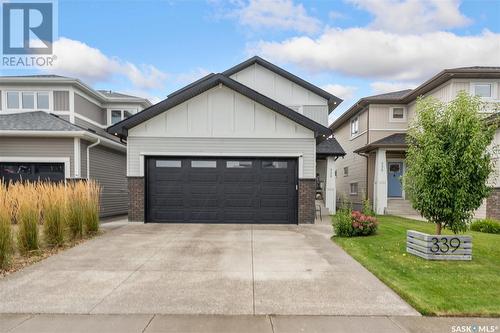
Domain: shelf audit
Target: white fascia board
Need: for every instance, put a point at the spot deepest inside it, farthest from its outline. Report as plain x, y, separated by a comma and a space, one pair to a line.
66, 134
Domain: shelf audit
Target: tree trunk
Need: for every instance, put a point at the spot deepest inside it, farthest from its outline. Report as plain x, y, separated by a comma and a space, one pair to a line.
438, 228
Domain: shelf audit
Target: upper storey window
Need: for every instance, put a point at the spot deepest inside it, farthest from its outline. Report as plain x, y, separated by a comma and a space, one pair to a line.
27, 100
354, 126
397, 114
484, 90
119, 115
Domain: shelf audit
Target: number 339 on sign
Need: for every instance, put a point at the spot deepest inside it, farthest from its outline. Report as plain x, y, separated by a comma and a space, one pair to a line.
445, 245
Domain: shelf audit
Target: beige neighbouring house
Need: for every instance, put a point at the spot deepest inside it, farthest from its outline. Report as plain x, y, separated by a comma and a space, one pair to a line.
373, 135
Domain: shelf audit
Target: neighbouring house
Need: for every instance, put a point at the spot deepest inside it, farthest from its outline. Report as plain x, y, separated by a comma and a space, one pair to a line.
242, 146
54, 128
373, 134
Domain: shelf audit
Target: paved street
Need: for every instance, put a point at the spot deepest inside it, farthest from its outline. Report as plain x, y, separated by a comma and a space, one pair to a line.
202, 269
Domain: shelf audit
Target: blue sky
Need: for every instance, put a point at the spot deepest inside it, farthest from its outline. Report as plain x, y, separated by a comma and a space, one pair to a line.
352, 48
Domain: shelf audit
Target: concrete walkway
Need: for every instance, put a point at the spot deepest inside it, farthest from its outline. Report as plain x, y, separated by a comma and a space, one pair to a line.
202, 269
241, 324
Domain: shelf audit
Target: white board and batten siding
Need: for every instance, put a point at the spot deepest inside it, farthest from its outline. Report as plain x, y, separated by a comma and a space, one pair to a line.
221, 122
439, 247
284, 91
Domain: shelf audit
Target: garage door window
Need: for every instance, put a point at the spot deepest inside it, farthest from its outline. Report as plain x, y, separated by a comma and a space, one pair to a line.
168, 164
239, 164
274, 164
203, 164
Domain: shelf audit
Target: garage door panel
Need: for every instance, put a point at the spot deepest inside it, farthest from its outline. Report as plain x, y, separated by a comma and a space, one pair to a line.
219, 190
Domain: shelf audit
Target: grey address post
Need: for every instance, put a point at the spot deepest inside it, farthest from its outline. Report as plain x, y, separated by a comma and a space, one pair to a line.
439, 247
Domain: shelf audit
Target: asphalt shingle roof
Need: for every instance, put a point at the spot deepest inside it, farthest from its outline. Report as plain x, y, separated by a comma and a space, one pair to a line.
330, 147
114, 94
35, 121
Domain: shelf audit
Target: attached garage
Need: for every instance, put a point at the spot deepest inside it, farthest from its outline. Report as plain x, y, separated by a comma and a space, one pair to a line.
218, 151
221, 190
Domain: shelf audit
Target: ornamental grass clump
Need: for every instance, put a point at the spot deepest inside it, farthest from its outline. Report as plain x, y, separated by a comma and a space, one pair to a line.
53, 202
6, 243
27, 215
76, 195
91, 207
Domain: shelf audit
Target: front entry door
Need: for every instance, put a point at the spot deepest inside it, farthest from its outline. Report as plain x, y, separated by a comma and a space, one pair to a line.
395, 172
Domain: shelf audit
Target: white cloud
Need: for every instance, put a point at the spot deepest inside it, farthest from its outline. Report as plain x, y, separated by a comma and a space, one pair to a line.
191, 76
75, 58
376, 54
344, 92
277, 14
413, 16
380, 87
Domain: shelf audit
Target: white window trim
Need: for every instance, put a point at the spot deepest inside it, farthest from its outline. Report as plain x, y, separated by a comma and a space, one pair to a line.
20, 100
354, 119
122, 110
353, 193
494, 90
397, 120
344, 173
65, 160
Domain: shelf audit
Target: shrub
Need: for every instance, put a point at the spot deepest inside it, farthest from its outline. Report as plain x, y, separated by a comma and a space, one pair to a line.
27, 216
489, 226
53, 213
6, 245
91, 208
342, 223
363, 225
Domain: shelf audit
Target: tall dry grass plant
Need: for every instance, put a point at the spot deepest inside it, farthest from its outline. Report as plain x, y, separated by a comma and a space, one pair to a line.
91, 208
53, 202
27, 215
6, 242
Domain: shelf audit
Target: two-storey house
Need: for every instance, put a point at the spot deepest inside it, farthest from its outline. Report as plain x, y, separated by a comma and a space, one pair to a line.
373, 134
54, 128
242, 146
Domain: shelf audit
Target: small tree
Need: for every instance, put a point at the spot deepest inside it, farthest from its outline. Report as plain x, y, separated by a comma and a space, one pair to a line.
448, 161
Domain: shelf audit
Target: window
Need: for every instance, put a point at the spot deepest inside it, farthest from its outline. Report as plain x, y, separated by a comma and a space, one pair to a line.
203, 164
28, 100
354, 126
116, 116
398, 114
119, 115
239, 164
42, 101
12, 100
168, 164
483, 90
274, 164
346, 171
353, 188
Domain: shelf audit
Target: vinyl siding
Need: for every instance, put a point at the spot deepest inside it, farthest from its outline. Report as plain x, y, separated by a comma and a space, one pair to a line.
355, 163
318, 113
90, 110
38, 147
240, 146
108, 167
380, 120
61, 100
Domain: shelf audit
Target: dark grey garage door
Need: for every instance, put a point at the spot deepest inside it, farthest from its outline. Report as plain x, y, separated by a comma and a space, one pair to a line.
221, 190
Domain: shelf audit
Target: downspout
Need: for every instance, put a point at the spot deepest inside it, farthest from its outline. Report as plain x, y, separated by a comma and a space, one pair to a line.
88, 156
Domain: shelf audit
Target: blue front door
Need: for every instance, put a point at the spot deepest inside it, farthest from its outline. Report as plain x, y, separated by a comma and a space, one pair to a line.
394, 174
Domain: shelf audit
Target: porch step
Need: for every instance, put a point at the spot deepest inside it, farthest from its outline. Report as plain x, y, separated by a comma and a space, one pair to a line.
400, 207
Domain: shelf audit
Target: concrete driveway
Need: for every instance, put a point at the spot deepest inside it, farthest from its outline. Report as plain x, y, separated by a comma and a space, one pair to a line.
202, 269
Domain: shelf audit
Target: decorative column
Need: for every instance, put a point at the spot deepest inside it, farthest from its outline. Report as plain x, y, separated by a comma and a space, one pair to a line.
330, 189
380, 182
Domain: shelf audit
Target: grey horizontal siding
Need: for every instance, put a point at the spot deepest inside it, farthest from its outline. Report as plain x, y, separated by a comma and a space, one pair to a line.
38, 147
243, 146
61, 100
108, 167
90, 110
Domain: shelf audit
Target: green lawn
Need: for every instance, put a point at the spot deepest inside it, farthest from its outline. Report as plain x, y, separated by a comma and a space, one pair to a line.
442, 288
